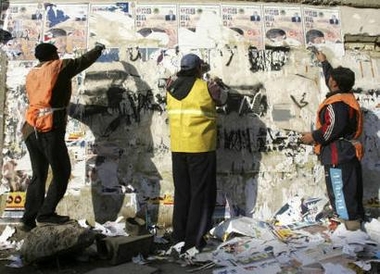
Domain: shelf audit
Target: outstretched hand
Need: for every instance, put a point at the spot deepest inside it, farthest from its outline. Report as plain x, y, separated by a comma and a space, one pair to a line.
100, 45
307, 138
320, 56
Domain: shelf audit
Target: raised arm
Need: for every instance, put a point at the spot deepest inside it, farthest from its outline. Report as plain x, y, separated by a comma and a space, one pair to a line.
77, 65
326, 66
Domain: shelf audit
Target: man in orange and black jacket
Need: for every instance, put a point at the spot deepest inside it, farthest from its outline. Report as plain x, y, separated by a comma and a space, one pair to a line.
339, 125
48, 87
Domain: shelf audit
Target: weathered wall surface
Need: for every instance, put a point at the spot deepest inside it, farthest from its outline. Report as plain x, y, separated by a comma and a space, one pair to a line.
118, 135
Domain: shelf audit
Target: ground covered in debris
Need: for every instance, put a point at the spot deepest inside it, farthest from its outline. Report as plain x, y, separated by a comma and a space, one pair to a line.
88, 260
289, 243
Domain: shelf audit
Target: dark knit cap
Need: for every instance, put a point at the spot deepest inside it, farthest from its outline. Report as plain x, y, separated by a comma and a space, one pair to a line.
190, 61
45, 51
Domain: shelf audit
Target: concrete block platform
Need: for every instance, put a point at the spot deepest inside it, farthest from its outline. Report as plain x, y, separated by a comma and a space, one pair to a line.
121, 249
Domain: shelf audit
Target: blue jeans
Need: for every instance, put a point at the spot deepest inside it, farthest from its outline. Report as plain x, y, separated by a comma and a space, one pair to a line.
46, 149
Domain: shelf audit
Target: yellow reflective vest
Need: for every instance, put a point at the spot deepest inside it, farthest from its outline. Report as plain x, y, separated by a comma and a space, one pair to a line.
348, 99
192, 120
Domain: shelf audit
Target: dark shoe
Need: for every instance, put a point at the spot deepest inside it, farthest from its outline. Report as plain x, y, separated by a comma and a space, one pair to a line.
174, 251
26, 227
202, 244
53, 219
136, 226
352, 225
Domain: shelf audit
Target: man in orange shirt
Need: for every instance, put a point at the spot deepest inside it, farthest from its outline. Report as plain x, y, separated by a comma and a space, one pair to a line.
48, 87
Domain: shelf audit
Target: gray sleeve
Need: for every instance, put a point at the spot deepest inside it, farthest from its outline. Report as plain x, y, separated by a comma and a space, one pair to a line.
218, 94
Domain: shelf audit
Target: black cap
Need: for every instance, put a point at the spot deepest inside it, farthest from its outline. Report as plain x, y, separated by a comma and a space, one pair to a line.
45, 51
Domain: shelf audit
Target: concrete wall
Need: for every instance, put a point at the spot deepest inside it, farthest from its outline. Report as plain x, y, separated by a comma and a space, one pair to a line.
119, 139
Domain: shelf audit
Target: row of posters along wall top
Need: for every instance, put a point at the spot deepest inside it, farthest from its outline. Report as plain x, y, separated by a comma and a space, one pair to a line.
78, 26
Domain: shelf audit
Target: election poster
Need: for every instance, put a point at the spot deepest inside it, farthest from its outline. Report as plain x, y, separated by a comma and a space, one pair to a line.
283, 26
66, 27
246, 22
24, 22
323, 29
200, 26
113, 25
157, 25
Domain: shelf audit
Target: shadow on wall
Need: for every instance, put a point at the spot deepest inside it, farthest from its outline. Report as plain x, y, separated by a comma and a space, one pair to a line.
242, 138
370, 162
122, 149
5, 36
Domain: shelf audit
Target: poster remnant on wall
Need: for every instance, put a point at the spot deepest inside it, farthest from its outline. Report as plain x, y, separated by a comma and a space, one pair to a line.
283, 26
157, 25
246, 21
323, 29
113, 25
200, 26
25, 23
66, 27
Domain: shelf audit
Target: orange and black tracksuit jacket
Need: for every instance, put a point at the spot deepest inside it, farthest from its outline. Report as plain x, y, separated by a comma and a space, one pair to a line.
339, 125
48, 86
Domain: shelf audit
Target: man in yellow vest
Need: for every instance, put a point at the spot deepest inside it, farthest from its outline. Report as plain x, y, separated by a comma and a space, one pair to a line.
48, 87
191, 106
339, 125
